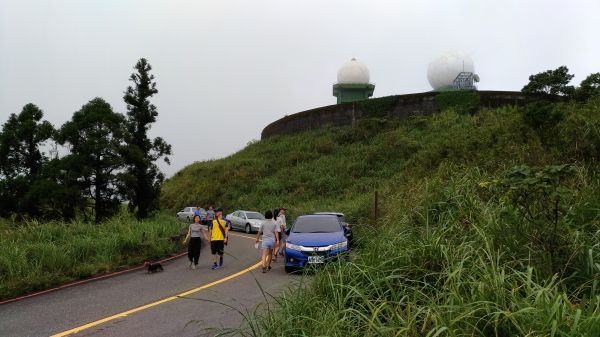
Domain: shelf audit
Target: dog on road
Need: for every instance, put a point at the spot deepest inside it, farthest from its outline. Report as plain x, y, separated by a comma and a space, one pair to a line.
152, 267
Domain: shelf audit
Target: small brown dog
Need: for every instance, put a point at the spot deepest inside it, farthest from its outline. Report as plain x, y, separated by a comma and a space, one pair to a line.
153, 267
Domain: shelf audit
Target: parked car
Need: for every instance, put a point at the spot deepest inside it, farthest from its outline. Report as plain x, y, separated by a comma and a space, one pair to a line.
247, 221
342, 218
187, 213
314, 239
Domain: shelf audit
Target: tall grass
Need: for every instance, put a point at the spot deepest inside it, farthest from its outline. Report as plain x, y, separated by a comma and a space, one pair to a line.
449, 274
448, 257
35, 256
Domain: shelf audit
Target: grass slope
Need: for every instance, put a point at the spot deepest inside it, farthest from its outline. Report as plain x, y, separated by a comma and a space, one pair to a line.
35, 256
471, 242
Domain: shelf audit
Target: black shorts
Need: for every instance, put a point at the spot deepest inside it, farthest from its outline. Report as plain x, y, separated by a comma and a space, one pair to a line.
217, 247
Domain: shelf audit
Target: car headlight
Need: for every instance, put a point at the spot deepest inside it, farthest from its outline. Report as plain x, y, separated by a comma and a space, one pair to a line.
292, 246
339, 245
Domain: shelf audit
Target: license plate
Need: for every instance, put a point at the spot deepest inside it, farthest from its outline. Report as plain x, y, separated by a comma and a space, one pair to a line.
316, 259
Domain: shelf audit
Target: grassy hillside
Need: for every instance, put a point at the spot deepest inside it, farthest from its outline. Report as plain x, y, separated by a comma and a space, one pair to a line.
489, 227
38, 255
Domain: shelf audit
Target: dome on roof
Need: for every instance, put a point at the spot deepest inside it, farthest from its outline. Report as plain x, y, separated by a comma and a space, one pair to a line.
442, 71
353, 72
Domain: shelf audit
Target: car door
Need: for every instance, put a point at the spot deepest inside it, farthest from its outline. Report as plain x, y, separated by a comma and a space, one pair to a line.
233, 219
240, 220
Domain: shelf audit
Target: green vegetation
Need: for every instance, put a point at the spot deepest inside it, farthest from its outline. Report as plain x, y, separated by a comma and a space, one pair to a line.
108, 158
461, 101
489, 225
36, 256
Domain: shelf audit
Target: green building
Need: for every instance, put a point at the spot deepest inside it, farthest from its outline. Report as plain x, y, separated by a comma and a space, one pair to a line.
353, 82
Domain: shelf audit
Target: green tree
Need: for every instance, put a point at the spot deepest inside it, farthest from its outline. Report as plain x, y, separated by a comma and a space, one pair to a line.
588, 87
94, 135
21, 160
550, 85
142, 178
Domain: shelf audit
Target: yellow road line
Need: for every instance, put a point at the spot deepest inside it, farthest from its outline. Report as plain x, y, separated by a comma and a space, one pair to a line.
153, 304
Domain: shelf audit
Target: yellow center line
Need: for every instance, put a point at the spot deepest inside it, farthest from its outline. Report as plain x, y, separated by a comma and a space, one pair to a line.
153, 304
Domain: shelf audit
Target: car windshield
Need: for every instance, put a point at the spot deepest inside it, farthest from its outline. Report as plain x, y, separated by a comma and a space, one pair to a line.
255, 215
317, 224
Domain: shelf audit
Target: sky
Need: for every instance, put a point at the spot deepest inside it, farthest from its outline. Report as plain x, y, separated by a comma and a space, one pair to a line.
225, 69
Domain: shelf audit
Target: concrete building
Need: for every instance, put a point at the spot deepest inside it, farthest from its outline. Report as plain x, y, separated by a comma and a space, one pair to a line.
353, 82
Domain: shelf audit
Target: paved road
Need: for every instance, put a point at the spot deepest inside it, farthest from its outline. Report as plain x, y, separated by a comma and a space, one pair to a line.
193, 314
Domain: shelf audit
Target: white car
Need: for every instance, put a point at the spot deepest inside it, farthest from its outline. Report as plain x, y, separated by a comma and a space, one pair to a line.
248, 221
187, 214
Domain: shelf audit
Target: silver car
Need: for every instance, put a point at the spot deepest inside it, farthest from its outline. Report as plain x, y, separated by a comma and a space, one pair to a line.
187, 214
248, 221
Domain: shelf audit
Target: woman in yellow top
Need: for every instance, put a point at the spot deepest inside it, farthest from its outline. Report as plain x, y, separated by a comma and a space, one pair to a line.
218, 232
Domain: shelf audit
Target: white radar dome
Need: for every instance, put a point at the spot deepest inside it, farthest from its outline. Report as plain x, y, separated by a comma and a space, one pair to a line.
353, 72
443, 70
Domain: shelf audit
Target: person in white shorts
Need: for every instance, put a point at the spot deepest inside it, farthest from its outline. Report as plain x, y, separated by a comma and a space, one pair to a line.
268, 230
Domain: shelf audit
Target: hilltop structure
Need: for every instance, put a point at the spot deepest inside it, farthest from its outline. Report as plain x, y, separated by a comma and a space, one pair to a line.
451, 75
452, 71
353, 82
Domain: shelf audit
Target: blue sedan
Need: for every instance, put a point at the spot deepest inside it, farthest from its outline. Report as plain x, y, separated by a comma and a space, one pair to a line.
314, 239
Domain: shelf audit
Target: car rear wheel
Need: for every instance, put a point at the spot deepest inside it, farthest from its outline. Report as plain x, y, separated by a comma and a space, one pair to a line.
248, 229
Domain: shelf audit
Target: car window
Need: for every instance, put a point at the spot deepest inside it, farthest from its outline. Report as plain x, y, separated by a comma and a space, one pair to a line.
236, 213
187, 209
255, 215
243, 215
194, 209
317, 224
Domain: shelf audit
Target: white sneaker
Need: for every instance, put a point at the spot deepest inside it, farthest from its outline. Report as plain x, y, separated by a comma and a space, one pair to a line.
193, 266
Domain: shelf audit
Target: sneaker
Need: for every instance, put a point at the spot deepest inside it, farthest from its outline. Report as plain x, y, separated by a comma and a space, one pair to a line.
215, 266
269, 267
264, 270
193, 266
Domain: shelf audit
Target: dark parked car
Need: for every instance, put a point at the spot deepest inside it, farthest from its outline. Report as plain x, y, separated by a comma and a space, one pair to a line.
342, 218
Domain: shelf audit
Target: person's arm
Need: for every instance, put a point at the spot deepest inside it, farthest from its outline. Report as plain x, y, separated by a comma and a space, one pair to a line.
204, 231
187, 237
258, 234
226, 232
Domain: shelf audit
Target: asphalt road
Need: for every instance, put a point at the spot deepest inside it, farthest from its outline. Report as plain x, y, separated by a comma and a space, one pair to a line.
209, 299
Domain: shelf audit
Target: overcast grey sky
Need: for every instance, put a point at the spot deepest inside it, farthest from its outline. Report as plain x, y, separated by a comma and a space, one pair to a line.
225, 69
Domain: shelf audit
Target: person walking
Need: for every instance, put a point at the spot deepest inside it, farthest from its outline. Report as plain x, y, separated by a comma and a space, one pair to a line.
268, 230
193, 236
278, 234
218, 232
279, 216
210, 215
283, 230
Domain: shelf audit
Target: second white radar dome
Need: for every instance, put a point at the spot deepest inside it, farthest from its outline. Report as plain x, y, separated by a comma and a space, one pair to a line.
443, 70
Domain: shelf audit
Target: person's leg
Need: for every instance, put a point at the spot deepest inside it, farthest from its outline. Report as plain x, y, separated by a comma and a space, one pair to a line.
265, 252
221, 253
275, 250
269, 258
213, 251
197, 243
190, 253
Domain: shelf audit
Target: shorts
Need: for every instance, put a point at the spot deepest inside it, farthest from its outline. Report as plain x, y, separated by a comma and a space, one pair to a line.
268, 244
217, 247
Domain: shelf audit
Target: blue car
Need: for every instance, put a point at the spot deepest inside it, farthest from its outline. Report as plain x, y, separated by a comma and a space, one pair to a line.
314, 239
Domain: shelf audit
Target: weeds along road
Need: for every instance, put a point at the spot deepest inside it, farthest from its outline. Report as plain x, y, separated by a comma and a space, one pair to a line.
140, 304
